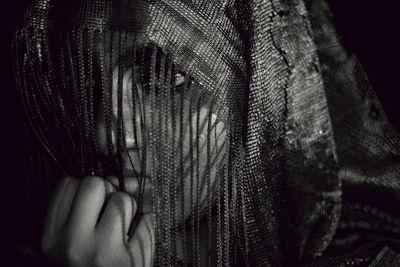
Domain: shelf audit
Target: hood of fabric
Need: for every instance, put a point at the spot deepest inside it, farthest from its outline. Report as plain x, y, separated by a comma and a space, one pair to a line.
266, 69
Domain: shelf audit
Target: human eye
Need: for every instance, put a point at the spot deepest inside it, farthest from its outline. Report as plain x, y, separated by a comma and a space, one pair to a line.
179, 79
180, 82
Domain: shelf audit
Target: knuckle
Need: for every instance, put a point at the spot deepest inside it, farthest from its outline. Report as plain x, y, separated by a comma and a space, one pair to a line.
67, 181
105, 256
109, 187
62, 251
120, 198
72, 256
75, 252
93, 183
100, 259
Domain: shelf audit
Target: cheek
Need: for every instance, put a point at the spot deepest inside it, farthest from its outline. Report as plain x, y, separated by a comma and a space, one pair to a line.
217, 148
217, 138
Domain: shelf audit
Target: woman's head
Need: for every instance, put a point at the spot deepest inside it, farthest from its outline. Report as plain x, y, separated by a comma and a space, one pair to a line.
167, 128
107, 95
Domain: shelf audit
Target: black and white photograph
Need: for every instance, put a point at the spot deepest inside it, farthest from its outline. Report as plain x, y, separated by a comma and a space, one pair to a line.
200, 133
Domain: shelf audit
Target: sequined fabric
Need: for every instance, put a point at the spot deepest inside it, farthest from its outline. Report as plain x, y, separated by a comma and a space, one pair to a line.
309, 169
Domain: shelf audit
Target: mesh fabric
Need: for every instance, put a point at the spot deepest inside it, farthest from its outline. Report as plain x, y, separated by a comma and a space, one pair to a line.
302, 125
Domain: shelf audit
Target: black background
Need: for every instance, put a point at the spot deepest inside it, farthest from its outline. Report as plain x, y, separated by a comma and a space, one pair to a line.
367, 28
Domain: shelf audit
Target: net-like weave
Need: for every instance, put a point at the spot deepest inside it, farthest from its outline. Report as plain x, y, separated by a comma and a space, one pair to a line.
309, 157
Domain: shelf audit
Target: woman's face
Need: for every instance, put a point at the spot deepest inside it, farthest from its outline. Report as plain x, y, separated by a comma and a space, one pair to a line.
137, 142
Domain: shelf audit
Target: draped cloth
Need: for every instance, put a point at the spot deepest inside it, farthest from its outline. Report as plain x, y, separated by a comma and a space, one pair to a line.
310, 158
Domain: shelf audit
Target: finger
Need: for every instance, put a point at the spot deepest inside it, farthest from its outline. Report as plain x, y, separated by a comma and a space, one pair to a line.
86, 206
132, 188
114, 224
131, 185
110, 188
142, 242
58, 209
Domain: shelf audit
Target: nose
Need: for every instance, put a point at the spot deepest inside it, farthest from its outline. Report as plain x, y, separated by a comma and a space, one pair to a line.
128, 110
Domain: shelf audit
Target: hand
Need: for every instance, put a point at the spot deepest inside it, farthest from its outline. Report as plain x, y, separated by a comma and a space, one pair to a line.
87, 225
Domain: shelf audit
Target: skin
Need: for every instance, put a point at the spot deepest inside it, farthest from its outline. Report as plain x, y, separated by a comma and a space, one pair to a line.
76, 235
88, 221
